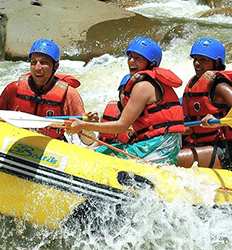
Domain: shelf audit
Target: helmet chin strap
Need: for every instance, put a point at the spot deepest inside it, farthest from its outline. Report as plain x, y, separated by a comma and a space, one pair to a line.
152, 65
54, 69
219, 65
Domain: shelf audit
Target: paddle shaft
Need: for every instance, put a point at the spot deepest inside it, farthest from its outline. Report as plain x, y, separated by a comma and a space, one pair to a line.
197, 123
110, 146
225, 121
67, 117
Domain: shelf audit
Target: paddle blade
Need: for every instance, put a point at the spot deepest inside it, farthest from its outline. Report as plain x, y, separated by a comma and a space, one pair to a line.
229, 114
227, 120
25, 120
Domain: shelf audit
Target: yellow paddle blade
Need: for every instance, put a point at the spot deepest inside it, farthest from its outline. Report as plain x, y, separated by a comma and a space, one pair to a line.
229, 114
227, 120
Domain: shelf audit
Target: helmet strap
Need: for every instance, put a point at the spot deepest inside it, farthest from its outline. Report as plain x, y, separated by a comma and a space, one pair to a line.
55, 67
151, 65
219, 65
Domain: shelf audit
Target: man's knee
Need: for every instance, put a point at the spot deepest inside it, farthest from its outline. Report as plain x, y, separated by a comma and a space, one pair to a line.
185, 158
203, 155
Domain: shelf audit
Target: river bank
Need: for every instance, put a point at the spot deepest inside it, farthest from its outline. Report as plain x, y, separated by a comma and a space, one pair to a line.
82, 28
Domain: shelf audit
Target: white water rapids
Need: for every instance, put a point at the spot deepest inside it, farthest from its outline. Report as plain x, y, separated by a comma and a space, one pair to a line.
148, 223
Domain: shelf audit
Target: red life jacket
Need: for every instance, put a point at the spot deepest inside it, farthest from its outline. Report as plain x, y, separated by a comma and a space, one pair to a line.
49, 104
165, 116
112, 113
197, 103
71, 80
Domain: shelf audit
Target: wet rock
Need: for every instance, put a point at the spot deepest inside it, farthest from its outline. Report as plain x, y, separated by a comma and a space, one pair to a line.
175, 32
83, 30
3, 22
112, 37
67, 22
228, 47
117, 33
216, 3
217, 11
127, 3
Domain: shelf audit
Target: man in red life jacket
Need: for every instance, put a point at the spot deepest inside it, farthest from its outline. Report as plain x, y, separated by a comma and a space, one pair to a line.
208, 95
42, 92
150, 105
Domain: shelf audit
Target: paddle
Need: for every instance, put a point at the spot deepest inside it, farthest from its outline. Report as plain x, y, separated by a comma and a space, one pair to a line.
227, 121
25, 120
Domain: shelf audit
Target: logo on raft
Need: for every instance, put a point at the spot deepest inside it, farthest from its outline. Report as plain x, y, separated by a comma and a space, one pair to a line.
34, 154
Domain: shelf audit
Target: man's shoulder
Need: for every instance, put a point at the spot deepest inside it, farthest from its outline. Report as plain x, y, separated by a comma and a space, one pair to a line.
12, 85
72, 92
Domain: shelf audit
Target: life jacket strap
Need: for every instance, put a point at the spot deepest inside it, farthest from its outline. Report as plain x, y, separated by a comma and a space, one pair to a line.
165, 125
39, 100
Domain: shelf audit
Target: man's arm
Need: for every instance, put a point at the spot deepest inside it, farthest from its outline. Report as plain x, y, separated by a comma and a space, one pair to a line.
223, 94
8, 95
74, 104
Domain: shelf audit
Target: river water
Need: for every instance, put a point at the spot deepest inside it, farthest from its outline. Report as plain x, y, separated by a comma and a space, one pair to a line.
157, 225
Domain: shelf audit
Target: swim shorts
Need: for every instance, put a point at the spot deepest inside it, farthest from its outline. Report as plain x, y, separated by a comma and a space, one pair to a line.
159, 149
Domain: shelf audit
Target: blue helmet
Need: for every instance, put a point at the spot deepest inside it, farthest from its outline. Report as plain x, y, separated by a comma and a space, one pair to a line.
47, 47
210, 48
147, 48
124, 81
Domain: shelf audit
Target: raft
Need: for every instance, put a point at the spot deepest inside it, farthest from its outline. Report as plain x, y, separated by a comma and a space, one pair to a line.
43, 180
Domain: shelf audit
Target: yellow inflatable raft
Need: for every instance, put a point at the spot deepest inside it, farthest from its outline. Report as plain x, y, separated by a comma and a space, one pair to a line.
43, 180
